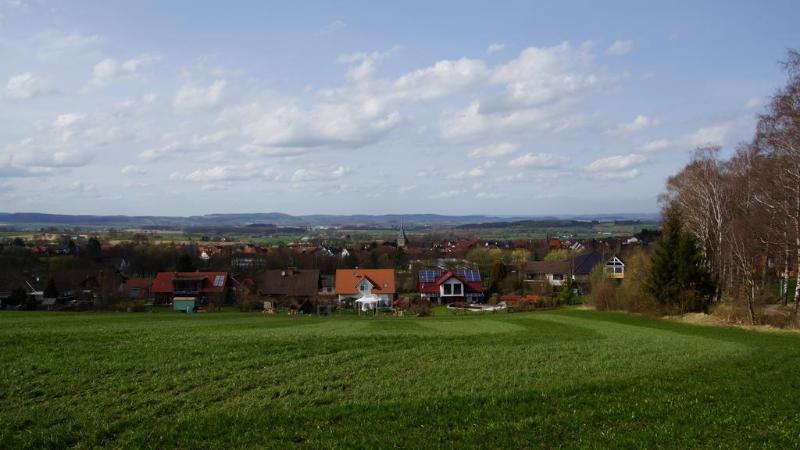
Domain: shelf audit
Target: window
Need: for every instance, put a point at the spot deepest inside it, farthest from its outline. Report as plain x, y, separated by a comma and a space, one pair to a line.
135, 292
558, 276
448, 289
219, 281
457, 289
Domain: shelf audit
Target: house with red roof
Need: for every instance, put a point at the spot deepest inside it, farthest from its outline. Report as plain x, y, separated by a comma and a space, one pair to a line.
202, 286
137, 288
352, 284
447, 286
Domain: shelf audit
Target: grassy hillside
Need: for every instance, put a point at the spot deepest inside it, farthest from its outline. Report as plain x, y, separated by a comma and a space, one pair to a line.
546, 379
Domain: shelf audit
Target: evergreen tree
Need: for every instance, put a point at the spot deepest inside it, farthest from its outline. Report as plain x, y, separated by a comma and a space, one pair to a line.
185, 263
50, 291
677, 276
94, 249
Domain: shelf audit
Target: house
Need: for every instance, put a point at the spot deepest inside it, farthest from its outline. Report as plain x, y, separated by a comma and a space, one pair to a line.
556, 273
137, 288
327, 285
447, 286
615, 268
551, 272
352, 284
289, 284
203, 286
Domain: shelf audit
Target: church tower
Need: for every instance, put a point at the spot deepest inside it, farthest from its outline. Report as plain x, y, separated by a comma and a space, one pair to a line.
402, 240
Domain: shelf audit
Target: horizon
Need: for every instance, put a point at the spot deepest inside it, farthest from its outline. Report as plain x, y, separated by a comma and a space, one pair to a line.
345, 109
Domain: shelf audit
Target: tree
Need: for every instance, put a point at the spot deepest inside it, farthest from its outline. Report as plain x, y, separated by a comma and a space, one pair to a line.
678, 276
94, 249
496, 276
50, 291
185, 263
561, 254
520, 256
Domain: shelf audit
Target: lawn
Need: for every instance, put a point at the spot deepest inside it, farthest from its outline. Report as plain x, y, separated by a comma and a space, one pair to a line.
568, 378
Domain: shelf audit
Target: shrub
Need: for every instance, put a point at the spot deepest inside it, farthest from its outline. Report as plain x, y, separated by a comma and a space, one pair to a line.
420, 308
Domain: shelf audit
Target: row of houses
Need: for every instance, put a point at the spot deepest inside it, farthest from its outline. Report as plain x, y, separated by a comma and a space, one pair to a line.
442, 285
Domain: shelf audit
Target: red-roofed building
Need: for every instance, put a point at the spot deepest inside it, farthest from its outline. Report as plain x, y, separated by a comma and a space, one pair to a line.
137, 288
202, 286
447, 286
357, 283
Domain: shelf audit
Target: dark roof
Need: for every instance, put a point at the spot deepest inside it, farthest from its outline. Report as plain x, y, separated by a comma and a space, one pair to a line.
578, 265
583, 264
289, 282
543, 267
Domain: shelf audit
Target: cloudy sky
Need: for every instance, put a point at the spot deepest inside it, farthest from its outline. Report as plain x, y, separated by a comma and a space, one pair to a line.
187, 107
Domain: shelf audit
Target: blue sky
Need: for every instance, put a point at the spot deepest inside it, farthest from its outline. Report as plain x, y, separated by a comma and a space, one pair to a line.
177, 108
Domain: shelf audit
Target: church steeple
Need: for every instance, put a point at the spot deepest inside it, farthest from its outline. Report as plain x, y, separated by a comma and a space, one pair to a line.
402, 240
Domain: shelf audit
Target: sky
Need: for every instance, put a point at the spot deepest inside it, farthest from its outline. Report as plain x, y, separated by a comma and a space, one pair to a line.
498, 108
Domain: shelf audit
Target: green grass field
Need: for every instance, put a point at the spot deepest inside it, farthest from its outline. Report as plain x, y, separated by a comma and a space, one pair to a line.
568, 378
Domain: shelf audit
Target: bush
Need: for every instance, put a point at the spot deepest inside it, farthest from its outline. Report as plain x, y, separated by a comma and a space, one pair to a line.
420, 308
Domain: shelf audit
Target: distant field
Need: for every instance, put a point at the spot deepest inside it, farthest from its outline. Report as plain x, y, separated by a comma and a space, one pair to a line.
566, 378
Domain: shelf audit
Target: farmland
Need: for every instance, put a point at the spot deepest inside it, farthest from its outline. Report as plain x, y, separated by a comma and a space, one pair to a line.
568, 378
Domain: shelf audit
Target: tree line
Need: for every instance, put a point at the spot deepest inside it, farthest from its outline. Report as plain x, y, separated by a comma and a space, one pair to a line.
731, 226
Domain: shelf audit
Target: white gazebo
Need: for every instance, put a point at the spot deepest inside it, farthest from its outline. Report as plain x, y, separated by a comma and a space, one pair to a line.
368, 303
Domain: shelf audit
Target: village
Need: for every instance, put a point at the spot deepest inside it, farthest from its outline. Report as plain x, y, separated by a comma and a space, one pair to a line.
309, 276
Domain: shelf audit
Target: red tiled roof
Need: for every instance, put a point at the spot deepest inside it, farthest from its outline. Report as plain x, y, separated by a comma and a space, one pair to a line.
382, 280
162, 284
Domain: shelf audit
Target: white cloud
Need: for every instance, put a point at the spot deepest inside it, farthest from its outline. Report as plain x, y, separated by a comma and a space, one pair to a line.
639, 123
53, 44
190, 96
494, 150
363, 64
275, 123
656, 145
227, 174
469, 173
538, 161
495, 47
710, 135
616, 163
538, 92
336, 25
25, 85
161, 151
754, 102
407, 188
132, 170
446, 194
67, 120
313, 175
443, 78
70, 140
109, 69
620, 48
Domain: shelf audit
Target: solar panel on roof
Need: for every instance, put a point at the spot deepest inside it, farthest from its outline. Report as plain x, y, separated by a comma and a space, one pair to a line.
429, 276
469, 275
